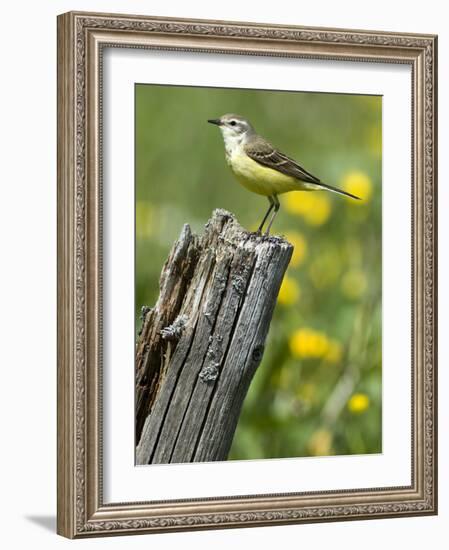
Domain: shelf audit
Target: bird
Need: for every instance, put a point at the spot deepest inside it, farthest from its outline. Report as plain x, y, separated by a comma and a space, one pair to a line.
262, 168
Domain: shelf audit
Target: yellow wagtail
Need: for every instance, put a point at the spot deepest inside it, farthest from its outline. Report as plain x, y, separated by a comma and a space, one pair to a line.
262, 168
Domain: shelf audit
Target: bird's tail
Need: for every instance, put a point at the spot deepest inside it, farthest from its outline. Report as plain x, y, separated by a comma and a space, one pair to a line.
336, 190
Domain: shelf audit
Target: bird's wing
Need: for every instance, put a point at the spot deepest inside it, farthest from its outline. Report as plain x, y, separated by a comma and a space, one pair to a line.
264, 153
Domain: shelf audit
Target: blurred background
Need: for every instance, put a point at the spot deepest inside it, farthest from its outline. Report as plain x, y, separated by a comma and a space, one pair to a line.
318, 390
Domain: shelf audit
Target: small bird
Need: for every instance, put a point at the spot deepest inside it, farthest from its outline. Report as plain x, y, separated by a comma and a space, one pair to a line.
262, 168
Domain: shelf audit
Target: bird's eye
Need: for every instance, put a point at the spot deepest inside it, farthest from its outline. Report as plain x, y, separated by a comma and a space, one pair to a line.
233, 123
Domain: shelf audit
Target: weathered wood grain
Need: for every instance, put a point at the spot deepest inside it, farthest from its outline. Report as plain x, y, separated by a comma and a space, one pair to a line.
201, 344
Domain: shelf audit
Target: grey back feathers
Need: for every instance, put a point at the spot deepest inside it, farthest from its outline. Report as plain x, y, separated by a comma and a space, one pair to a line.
261, 151
264, 153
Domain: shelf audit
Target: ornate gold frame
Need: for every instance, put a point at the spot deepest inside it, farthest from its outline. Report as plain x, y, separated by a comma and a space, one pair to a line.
81, 39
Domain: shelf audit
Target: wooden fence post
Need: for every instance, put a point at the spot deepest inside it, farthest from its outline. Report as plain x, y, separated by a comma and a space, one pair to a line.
201, 344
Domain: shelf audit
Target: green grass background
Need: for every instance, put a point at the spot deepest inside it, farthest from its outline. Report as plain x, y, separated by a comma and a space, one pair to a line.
318, 388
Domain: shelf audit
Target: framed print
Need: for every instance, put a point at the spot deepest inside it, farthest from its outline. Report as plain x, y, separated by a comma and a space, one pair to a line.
246, 274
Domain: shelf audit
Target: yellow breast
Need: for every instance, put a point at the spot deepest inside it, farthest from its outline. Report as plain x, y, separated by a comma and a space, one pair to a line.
260, 179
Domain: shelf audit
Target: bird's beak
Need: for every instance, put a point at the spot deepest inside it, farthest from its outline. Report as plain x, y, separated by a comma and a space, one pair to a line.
216, 121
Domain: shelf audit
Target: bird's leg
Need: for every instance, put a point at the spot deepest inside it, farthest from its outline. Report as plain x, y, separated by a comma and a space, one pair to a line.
266, 215
276, 205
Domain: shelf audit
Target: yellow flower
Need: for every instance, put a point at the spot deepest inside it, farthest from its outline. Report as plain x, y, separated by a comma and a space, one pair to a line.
318, 344
298, 343
314, 207
354, 283
358, 183
319, 210
299, 247
294, 203
358, 403
307, 342
289, 292
320, 443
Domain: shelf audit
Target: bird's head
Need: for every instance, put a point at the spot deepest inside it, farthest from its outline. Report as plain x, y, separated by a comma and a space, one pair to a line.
233, 127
